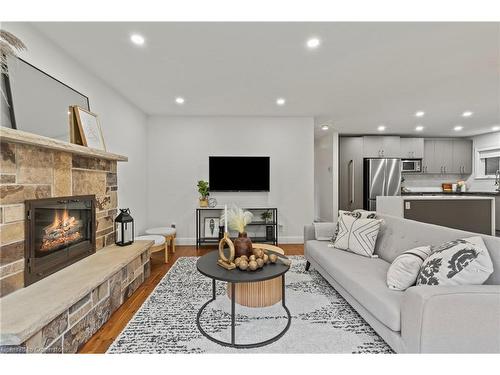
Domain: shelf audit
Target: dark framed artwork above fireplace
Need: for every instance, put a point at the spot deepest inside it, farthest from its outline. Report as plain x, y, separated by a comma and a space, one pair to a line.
59, 232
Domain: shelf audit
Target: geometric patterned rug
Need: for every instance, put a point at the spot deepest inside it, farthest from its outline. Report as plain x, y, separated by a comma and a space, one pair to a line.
322, 321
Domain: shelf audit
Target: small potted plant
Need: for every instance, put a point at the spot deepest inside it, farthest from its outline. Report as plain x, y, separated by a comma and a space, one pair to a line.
267, 216
237, 220
204, 193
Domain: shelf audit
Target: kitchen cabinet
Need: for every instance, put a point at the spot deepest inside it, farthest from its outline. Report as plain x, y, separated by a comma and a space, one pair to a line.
438, 156
412, 148
351, 173
462, 156
381, 147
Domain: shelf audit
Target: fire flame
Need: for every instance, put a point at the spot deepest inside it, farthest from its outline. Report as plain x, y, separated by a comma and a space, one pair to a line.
63, 230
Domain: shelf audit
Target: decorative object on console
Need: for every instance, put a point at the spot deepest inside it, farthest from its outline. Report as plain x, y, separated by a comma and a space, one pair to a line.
238, 220
204, 193
461, 262
89, 129
212, 227
357, 235
267, 216
404, 270
124, 228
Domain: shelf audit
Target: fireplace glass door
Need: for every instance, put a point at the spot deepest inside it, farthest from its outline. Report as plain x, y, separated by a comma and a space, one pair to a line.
60, 232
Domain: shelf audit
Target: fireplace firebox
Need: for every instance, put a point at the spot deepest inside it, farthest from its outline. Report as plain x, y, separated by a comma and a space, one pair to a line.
59, 232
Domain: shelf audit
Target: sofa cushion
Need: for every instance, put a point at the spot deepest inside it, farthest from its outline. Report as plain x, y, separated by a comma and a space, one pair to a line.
357, 235
364, 278
404, 271
460, 262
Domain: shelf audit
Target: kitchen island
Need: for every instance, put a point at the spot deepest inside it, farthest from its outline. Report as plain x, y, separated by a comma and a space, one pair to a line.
473, 213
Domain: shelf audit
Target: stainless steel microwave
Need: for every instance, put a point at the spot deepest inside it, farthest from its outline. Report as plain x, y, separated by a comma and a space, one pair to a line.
411, 165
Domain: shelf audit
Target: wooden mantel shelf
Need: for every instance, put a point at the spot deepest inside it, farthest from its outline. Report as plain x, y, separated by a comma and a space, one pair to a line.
18, 136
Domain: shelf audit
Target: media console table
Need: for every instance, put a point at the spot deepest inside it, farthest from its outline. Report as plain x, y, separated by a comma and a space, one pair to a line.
259, 230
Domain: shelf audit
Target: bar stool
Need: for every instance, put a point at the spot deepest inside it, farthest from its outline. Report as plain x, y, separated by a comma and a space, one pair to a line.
160, 244
167, 232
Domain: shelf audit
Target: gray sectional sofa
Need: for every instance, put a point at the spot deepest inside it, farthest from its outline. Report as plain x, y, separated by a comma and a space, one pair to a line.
422, 319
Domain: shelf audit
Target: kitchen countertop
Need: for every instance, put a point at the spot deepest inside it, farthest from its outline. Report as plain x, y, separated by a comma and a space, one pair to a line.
442, 193
441, 197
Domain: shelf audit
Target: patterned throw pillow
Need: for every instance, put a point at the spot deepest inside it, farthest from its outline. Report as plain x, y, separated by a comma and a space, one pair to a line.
357, 235
360, 214
461, 262
405, 268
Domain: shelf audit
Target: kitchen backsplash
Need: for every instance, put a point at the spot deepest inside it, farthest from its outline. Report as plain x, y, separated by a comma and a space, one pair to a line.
413, 181
430, 180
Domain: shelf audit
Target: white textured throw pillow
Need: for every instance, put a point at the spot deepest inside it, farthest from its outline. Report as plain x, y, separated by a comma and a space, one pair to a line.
357, 235
360, 214
405, 268
461, 262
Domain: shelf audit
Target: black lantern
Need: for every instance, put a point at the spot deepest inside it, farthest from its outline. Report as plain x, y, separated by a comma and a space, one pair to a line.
124, 228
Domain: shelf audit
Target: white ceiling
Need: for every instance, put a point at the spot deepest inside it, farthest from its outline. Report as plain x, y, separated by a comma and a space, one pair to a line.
362, 75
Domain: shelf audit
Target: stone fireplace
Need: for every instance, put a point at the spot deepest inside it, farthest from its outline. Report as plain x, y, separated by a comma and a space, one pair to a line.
59, 232
30, 172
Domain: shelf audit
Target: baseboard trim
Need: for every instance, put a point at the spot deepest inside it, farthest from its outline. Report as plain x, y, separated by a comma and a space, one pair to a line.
190, 241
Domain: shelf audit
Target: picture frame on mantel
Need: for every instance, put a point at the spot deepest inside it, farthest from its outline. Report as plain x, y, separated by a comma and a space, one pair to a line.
86, 129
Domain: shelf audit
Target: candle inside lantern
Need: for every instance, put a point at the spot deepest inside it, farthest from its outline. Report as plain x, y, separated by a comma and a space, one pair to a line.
225, 218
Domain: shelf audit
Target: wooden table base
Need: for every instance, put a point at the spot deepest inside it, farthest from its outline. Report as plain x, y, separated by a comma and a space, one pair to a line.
259, 294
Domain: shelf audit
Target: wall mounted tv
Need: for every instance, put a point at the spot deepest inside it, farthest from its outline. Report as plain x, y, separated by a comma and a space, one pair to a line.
239, 173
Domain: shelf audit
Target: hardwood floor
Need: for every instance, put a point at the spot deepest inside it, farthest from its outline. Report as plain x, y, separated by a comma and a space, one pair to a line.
105, 336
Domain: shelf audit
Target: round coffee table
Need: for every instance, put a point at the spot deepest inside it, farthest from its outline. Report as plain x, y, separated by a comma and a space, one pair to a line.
207, 265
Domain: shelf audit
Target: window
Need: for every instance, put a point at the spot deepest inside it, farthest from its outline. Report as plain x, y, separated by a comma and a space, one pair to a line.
491, 165
487, 162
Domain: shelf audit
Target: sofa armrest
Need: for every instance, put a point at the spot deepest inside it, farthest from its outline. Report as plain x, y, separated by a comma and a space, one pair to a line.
456, 319
309, 233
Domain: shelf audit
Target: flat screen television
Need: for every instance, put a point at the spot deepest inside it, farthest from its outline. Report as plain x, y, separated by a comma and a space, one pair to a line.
239, 173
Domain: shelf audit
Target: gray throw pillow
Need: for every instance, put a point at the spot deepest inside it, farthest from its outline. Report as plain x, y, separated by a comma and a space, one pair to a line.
404, 270
461, 262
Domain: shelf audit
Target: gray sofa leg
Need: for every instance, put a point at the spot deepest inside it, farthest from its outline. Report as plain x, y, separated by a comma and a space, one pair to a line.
308, 265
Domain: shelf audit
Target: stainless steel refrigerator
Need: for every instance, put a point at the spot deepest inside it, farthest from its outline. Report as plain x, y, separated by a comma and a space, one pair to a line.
381, 177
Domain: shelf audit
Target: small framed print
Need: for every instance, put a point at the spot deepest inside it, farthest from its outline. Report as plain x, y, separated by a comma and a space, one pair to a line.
89, 129
212, 227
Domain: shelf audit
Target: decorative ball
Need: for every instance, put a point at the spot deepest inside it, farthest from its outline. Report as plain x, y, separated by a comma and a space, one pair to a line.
237, 261
260, 262
243, 264
252, 265
244, 257
255, 252
273, 258
265, 258
252, 257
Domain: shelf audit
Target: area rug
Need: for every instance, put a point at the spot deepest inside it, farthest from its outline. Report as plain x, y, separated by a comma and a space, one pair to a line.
322, 321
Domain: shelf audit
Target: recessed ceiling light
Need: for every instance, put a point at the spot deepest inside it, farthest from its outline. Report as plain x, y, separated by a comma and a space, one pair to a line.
467, 114
419, 128
280, 101
458, 128
325, 127
495, 128
179, 100
137, 39
313, 43
419, 114
381, 128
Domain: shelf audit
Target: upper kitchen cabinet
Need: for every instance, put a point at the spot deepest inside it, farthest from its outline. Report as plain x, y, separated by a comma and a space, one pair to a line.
412, 148
381, 147
462, 156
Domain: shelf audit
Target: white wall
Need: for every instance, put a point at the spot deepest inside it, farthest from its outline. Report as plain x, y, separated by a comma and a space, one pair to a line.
323, 177
478, 142
178, 151
123, 124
